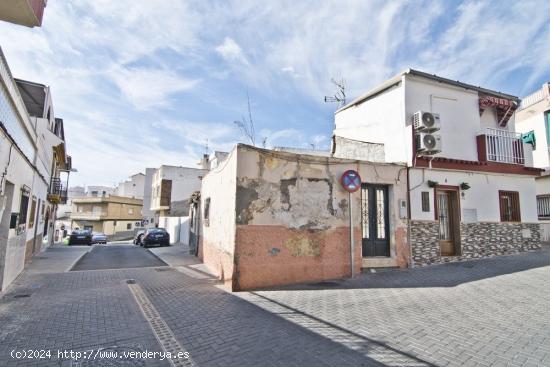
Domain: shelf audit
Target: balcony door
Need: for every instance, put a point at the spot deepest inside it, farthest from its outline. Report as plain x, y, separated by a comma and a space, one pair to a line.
448, 216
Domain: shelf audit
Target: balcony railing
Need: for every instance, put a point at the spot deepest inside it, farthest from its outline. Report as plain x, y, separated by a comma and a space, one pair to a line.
502, 146
57, 193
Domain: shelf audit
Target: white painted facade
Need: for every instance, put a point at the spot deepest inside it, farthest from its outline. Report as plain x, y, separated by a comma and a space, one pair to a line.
94, 191
148, 214
384, 116
26, 167
185, 181
534, 116
133, 187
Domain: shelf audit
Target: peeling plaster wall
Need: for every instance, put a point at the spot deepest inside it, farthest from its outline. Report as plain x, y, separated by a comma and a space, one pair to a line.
218, 233
292, 217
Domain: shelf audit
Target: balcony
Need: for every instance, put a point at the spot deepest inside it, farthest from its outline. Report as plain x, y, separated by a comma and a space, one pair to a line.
501, 146
57, 193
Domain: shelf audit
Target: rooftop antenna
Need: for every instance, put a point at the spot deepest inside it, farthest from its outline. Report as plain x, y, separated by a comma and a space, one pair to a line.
340, 96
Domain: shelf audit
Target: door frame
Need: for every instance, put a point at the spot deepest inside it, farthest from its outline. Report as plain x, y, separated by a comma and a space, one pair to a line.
456, 214
366, 186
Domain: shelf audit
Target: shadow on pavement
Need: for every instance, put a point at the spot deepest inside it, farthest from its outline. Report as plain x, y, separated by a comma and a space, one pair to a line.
440, 275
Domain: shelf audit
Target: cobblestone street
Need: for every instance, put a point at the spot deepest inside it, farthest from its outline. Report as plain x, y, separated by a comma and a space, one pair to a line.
492, 312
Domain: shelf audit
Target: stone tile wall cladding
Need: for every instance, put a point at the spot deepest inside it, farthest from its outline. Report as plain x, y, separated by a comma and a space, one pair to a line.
478, 240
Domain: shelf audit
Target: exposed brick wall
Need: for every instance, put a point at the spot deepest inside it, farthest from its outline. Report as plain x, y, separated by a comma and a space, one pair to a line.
477, 240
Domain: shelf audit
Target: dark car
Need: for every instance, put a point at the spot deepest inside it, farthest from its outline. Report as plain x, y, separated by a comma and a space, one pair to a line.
155, 236
80, 237
98, 237
139, 235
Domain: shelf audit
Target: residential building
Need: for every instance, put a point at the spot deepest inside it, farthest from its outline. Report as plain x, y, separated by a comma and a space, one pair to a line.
147, 213
32, 159
471, 178
63, 222
171, 189
23, 12
116, 216
533, 120
273, 217
133, 187
95, 191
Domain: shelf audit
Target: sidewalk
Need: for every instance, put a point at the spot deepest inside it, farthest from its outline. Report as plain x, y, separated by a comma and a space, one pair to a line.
56, 259
177, 256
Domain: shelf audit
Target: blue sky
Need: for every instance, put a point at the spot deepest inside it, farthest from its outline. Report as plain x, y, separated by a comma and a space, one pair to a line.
143, 83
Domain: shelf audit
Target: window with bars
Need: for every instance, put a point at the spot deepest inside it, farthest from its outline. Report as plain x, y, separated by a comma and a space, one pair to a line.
509, 206
425, 201
543, 206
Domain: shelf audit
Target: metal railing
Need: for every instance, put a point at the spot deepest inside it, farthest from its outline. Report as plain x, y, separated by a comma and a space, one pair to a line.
56, 188
543, 206
504, 146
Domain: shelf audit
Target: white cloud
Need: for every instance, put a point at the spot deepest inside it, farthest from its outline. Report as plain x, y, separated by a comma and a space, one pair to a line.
148, 88
231, 51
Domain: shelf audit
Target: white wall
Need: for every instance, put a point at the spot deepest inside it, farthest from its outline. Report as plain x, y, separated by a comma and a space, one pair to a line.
177, 227
147, 192
535, 122
220, 186
482, 195
132, 188
377, 120
185, 181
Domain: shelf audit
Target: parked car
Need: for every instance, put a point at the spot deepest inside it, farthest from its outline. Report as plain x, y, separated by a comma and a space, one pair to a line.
98, 237
139, 235
156, 236
80, 237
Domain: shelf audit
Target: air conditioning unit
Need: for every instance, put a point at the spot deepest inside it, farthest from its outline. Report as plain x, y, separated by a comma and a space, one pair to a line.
426, 121
428, 144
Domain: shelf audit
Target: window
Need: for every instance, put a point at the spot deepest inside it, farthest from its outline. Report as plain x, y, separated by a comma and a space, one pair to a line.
130, 210
33, 213
129, 226
509, 206
24, 207
114, 223
94, 193
425, 201
543, 206
207, 211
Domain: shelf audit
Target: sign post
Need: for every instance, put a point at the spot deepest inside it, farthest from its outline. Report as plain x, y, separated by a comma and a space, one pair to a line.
351, 182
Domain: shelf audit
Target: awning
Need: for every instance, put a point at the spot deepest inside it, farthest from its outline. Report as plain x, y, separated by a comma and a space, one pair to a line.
504, 107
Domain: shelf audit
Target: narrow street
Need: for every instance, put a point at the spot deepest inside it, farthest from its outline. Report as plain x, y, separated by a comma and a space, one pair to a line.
489, 312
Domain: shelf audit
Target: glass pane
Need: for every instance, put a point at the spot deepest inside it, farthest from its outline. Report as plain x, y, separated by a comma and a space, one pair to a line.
380, 217
443, 211
365, 212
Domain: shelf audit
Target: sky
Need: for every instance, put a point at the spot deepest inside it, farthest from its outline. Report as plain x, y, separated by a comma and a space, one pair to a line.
141, 83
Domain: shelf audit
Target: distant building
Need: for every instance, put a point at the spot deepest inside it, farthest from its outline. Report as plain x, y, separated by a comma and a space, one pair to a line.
171, 189
116, 216
133, 187
96, 191
533, 120
147, 213
28, 13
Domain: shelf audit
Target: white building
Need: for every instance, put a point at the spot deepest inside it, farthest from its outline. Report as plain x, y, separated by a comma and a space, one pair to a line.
32, 158
471, 179
533, 119
95, 191
133, 187
148, 214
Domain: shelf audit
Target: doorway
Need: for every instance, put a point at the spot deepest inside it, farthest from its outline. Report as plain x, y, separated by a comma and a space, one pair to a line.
375, 220
448, 215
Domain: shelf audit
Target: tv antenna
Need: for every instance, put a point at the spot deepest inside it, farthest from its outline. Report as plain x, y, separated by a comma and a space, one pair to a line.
340, 96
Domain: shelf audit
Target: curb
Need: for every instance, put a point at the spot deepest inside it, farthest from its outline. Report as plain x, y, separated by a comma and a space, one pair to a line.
77, 260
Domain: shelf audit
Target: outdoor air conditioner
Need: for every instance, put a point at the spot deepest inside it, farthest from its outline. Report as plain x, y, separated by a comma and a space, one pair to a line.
426, 121
428, 144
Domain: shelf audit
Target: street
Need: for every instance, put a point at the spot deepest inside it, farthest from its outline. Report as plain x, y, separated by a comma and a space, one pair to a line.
490, 312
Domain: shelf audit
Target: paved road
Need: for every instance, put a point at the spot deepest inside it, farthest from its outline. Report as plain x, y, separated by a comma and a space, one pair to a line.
493, 312
117, 256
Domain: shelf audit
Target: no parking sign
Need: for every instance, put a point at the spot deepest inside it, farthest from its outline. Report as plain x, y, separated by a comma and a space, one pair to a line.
351, 181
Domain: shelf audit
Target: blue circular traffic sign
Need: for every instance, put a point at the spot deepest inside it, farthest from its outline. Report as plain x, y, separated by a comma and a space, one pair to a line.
351, 181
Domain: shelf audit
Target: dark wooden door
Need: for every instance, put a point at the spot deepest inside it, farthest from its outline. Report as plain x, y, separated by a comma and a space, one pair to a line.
447, 202
375, 220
